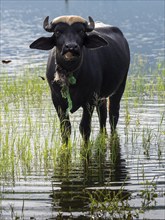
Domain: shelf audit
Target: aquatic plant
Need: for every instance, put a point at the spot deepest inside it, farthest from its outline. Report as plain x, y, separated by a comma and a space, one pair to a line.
30, 140
109, 204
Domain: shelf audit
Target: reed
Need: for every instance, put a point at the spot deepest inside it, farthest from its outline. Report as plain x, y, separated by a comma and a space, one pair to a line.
30, 134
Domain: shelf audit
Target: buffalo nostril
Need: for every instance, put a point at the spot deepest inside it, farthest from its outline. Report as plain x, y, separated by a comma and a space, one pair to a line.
67, 46
76, 47
71, 46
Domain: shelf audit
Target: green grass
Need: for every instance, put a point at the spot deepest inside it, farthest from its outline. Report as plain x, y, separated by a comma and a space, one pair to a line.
26, 108
30, 132
145, 84
106, 204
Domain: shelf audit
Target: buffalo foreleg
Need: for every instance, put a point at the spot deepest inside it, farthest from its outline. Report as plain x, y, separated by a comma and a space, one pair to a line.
65, 127
85, 124
102, 114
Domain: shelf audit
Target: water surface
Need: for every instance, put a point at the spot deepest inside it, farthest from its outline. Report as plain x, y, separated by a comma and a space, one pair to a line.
43, 189
60, 183
142, 22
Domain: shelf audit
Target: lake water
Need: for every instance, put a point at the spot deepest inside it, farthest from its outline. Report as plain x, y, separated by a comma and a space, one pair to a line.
44, 190
142, 22
58, 181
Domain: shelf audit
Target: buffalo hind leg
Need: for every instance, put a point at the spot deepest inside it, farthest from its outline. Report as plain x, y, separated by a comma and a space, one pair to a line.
85, 124
114, 106
102, 114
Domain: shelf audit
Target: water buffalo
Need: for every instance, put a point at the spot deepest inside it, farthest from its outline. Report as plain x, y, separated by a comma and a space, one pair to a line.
88, 62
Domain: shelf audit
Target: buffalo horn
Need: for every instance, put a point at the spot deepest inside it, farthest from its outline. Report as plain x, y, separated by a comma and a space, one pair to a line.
48, 27
90, 25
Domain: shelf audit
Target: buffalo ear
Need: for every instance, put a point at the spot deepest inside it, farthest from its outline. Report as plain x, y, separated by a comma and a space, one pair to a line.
94, 41
43, 43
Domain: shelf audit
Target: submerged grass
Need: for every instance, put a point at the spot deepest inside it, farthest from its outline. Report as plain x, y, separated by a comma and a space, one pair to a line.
106, 204
144, 83
30, 134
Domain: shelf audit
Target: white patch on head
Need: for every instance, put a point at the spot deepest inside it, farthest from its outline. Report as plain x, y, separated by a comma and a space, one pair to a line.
69, 19
99, 24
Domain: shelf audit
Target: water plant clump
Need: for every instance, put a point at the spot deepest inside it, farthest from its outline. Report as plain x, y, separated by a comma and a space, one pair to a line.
21, 138
145, 82
109, 204
31, 144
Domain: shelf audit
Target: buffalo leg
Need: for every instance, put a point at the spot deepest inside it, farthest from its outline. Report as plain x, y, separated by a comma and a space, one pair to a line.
85, 124
65, 125
102, 114
114, 106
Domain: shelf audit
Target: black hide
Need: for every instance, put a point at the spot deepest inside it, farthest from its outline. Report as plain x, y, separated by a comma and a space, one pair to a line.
100, 72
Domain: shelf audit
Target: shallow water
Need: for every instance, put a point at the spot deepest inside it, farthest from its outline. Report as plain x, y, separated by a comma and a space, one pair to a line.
43, 189
61, 185
142, 22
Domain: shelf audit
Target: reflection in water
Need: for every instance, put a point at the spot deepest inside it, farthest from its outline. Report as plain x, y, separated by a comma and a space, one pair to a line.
99, 167
78, 176
140, 21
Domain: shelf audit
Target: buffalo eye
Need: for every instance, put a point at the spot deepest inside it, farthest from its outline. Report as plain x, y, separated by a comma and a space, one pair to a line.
81, 32
58, 33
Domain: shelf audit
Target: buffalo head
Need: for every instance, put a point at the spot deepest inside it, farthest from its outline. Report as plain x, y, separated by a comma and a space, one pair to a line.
70, 34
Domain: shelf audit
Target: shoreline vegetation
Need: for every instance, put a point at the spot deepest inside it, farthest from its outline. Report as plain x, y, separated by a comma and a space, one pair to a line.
30, 135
